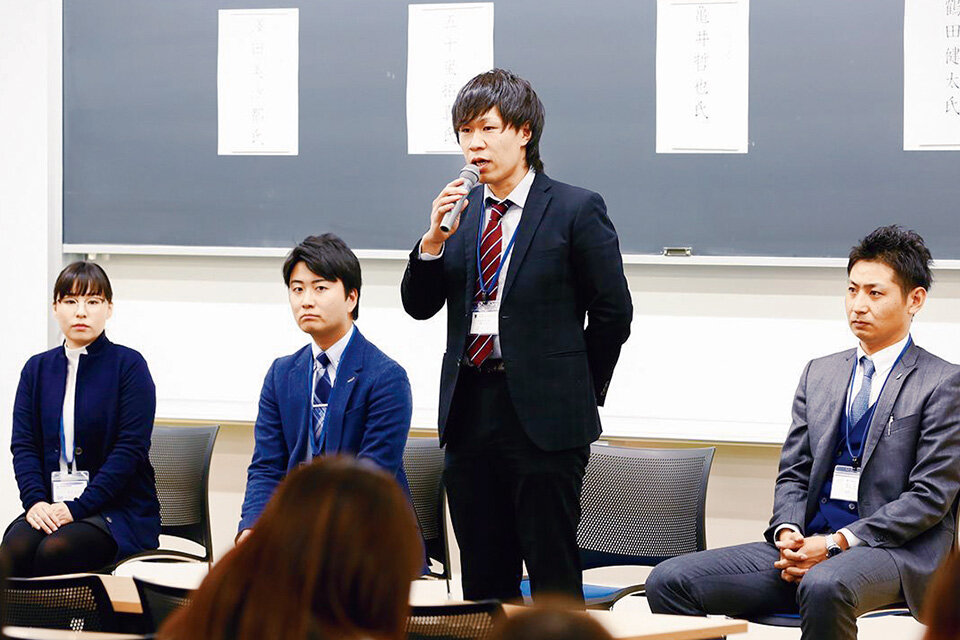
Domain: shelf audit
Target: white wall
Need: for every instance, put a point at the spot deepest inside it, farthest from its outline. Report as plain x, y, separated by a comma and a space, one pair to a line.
29, 199
210, 326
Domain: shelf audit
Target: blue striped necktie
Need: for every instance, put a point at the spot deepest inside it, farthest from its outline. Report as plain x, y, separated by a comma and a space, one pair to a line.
321, 394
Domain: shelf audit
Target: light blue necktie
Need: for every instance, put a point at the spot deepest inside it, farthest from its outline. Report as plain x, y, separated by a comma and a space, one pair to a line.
321, 395
861, 403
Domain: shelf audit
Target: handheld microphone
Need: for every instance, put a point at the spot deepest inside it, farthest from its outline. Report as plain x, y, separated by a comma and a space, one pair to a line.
470, 175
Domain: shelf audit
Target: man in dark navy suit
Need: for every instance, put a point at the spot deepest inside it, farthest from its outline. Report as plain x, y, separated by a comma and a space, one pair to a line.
528, 262
339, 394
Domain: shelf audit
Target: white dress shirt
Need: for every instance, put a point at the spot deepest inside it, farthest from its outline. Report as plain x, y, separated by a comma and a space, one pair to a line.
69, 405
335, 353
883, 362
508, 227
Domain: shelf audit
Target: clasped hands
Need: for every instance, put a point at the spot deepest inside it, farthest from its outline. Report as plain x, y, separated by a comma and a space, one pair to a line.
48, 517
798, 554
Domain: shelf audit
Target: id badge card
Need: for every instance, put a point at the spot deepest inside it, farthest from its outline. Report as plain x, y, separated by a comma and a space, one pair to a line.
485, 320
68, 485
846, 483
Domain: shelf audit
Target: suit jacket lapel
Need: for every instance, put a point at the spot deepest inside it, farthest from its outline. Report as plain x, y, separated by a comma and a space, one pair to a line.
469, 226
299, 401
348, 372
891, 390
533, 210
825, 424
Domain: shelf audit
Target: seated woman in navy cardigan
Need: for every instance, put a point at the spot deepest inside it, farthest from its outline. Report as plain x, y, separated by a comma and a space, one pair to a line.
82, 421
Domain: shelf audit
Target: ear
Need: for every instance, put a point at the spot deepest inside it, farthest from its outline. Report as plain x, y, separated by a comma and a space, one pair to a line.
109, 310
915, 300
525, 133
352, 298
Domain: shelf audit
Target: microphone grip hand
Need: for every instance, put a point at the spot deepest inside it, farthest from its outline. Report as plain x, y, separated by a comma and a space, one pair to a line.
433, 239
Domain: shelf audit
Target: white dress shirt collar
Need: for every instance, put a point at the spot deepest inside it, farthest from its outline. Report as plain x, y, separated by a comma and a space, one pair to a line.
519, 194
884, 359
335, 352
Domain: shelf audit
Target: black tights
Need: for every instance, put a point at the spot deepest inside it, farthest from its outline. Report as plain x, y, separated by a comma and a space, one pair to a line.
77, 547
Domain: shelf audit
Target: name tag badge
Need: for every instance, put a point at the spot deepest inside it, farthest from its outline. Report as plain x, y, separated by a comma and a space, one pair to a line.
486, 318
68, 486
846, 483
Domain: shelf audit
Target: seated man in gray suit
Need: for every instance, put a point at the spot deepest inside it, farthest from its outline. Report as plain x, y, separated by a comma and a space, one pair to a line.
866, 498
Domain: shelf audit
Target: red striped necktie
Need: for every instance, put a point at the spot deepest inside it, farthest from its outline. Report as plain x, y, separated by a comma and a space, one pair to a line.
491, 246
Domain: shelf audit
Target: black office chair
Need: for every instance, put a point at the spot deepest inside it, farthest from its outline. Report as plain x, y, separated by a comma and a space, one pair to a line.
159, 601
454, 621
423, 464
76, 603
639, 507
181, 460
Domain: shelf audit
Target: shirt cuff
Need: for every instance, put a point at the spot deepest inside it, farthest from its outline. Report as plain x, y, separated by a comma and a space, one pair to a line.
427, 257
792, 527
852, 540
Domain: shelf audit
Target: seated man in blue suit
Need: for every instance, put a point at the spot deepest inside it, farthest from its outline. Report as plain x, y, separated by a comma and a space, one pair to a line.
339, 394
865, 505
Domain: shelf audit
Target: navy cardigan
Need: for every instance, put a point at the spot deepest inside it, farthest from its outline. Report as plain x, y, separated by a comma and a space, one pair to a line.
115, 405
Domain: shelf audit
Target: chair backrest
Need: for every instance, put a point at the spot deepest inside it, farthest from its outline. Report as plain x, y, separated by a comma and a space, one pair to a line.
77, 603
181, 461
423, 464
159, 601
454, 621
642, 506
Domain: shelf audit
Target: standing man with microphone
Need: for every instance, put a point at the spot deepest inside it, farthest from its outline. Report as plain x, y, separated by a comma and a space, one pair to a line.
527, 262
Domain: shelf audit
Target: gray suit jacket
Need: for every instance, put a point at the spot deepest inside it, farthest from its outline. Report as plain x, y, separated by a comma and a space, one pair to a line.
911, 461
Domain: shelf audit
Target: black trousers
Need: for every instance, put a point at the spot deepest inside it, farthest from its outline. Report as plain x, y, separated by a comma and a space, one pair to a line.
510, 502
77, 547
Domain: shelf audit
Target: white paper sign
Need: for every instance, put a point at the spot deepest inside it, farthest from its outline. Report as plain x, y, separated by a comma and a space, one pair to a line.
447, 45
931, 75
257, 82
702, 76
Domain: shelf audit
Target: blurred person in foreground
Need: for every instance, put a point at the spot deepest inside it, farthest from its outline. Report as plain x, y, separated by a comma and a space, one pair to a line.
332, 556
554, 619
941, 612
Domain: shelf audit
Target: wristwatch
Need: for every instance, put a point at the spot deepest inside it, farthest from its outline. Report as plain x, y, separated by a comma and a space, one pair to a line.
833, 549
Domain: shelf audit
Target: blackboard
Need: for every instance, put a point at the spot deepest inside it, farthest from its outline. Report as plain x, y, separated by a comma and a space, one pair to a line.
825, 162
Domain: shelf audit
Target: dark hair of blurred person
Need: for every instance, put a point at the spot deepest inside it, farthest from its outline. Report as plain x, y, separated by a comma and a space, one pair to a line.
551, 619
941, 611
331, 557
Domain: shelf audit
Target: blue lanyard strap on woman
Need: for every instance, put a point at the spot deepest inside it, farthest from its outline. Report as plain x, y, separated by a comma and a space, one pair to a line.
68, 455
488, 291
853, 377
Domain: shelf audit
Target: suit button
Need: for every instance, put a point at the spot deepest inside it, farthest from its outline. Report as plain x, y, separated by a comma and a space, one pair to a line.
79, 451
109, 519
853, 506
823, 501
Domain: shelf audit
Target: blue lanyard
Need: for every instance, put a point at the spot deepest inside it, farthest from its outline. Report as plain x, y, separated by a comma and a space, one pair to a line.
63, 444
503, 259
853, 377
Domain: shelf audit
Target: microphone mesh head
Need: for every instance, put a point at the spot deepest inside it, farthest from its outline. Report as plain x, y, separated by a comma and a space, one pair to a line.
471, 174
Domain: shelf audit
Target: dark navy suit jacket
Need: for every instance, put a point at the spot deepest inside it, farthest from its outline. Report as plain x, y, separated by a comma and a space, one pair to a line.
115, 406
368, 416
565, 268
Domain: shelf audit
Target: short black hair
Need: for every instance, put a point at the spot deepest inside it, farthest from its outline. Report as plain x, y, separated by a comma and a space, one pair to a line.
330, 258
901, 250
513, 96
82, 278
